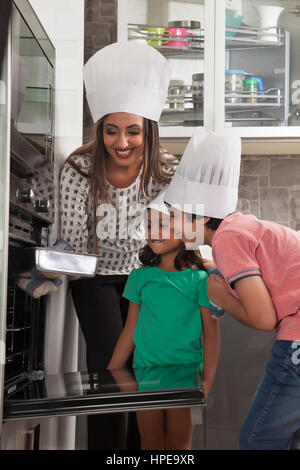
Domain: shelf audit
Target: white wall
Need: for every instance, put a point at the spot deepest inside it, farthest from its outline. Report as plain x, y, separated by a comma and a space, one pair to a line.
64, 23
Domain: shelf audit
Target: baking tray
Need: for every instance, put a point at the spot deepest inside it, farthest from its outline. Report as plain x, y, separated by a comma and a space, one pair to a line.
51, 261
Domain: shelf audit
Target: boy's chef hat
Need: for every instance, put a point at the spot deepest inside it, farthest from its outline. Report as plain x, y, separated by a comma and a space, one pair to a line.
127, 77
158, 203
207, 177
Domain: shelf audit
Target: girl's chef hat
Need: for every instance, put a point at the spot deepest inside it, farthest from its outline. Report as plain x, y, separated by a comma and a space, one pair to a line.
127, 77
207, 177
158, 203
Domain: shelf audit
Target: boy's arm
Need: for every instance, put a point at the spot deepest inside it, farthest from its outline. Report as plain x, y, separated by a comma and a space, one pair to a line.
211, 344
254, 308
125, 344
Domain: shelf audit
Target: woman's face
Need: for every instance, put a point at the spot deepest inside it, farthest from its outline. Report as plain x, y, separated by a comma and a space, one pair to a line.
123, 136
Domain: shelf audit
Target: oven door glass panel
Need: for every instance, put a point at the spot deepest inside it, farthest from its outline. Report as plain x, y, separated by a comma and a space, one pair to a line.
106, 392
32, 100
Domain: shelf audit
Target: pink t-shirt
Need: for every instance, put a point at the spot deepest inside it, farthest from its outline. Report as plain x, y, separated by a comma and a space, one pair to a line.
246, 246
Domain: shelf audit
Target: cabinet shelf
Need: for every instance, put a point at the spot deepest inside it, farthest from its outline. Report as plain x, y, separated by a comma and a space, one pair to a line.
242, 37
269, 98
192, 48
181, 117
247, 37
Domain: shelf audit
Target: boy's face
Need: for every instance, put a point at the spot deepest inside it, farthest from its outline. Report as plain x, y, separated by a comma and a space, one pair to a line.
191, 232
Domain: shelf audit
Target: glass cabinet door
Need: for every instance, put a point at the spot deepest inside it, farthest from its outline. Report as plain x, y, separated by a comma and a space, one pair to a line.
258, 78
32, 75
177, 29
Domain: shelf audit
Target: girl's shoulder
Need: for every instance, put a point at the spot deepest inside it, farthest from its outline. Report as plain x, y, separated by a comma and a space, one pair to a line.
142, 271
140, 276
198, 275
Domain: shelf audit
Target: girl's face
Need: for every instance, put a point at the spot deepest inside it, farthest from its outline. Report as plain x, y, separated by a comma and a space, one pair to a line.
160, 233
123, 136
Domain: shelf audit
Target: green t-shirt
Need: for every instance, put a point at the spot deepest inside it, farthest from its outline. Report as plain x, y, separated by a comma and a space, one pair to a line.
169, 325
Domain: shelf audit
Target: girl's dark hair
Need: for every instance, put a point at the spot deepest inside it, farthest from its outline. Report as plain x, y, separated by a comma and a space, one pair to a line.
184, 259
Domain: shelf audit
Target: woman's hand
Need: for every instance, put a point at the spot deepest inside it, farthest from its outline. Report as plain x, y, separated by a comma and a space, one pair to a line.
217, 290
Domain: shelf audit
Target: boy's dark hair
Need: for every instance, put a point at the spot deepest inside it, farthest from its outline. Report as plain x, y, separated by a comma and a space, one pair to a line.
184, 259
213, 223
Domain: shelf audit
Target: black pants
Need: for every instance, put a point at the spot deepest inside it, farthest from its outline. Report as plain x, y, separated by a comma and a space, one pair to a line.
102, 312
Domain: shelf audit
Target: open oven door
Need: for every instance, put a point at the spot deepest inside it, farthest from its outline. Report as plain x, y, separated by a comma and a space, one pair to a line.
82, 393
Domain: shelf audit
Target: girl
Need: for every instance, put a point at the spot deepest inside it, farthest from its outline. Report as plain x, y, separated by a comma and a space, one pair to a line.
103, 184
164, 325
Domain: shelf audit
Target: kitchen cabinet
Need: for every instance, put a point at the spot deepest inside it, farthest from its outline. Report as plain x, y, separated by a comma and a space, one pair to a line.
234, 63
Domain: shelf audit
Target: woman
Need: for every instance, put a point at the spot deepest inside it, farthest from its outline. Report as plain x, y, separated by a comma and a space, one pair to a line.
105, 185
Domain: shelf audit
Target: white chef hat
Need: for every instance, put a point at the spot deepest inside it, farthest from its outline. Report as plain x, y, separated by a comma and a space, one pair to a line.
207, 177
158, 203
127, 77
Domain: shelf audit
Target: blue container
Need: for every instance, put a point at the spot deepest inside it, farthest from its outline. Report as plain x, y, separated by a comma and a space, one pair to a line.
233, 20
215, 311
260, 85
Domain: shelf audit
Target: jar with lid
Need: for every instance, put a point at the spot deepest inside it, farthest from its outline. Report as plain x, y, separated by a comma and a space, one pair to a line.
176, 97
251, 87
198, 90
188, 97
234, 85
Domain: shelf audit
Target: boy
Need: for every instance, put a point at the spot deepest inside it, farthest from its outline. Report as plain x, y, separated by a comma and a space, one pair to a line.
260, 262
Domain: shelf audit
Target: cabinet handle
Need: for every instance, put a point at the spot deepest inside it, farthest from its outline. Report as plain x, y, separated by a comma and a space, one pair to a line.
295, 11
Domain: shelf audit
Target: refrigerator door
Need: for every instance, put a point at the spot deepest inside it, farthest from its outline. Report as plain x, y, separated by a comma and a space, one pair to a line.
80, 393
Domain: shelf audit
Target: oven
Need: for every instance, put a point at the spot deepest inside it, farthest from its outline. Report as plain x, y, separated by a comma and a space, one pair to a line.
32, 190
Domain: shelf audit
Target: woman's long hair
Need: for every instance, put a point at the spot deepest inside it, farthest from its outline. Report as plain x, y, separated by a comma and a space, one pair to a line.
184, 259
153, 163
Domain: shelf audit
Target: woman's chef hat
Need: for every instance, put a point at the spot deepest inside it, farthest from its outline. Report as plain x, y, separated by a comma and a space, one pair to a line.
207, 177
127, 77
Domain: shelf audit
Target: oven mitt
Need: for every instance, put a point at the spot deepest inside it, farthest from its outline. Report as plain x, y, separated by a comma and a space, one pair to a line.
37, 286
